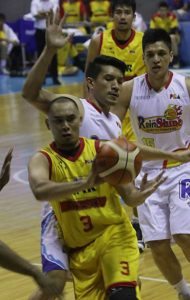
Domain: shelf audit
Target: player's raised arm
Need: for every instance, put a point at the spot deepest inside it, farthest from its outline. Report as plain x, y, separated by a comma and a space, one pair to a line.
55, 39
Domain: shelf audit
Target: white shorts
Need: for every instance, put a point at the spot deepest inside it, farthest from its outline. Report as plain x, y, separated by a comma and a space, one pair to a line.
53, 254
167, 211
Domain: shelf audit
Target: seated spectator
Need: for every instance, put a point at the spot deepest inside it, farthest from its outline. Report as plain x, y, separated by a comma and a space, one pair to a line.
66, 57
8, 41
76, 13
99, 11
167, 20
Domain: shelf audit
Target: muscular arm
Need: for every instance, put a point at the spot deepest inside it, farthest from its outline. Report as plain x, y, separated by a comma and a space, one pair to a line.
10, 260
55, 39
93, 50
32, 91
44, 189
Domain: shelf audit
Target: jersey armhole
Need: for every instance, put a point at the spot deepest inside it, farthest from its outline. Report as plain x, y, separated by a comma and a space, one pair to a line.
49, 161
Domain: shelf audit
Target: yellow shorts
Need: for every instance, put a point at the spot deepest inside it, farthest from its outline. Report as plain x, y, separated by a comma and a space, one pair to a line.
111, 260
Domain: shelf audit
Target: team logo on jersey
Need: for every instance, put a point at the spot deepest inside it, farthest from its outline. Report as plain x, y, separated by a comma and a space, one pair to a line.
174, 96
184, 189
170, 121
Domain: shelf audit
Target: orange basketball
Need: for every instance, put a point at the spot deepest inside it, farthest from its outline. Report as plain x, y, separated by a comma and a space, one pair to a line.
118, 161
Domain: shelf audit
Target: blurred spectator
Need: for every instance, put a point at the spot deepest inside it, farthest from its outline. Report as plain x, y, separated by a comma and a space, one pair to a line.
76, 13
99, 11
181, 9
8, 43
175, 4
66, 56
167, 20
138, 23
39, 10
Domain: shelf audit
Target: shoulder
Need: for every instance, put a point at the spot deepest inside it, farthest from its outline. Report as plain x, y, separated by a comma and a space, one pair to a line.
39, 159
139, 34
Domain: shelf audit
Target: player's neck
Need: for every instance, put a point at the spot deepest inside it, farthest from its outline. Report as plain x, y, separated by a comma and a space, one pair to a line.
122, 35
159, 83
98, 106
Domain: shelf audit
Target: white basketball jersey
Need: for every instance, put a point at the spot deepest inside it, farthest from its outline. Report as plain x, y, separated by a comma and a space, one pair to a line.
161, 119
96, 125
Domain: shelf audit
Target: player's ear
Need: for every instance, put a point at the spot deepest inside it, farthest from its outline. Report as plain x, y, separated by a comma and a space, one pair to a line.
47, 124
171, 56
90, 82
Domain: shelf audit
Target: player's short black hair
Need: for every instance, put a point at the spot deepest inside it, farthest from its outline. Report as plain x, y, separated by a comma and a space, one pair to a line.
163, 4
128, 3
156, 35
95, 67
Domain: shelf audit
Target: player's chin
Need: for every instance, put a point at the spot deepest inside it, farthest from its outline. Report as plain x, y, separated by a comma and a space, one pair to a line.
112, 100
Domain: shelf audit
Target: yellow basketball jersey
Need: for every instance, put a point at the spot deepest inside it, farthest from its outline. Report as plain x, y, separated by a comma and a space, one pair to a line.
100, 11
2, 34
85, 215
168, 23
72, 10
131, 53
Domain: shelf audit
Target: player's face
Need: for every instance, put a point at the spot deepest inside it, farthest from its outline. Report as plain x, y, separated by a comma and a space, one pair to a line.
64, 123
157, 58
123, 17
163, 12
106, 87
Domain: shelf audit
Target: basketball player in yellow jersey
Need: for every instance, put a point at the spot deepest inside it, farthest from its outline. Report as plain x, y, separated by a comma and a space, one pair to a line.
101, 242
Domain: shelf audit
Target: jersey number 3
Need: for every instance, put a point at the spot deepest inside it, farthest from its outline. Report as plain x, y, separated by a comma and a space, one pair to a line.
87, 223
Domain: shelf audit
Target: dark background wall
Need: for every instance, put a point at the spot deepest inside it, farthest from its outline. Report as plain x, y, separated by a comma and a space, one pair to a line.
14, 9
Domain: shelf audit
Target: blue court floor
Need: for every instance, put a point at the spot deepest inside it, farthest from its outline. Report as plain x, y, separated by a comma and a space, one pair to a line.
9, 85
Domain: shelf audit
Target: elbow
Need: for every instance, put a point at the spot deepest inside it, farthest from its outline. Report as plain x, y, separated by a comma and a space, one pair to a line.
38, 194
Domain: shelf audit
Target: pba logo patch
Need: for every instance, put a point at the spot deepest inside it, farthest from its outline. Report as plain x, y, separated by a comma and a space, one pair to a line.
184, 189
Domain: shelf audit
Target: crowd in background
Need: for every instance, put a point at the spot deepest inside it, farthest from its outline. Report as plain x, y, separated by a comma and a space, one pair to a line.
84, 18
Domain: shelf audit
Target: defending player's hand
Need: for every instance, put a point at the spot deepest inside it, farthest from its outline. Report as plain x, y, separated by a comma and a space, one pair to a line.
49, 286
5, 171
149, 187
55, 37
133, 196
